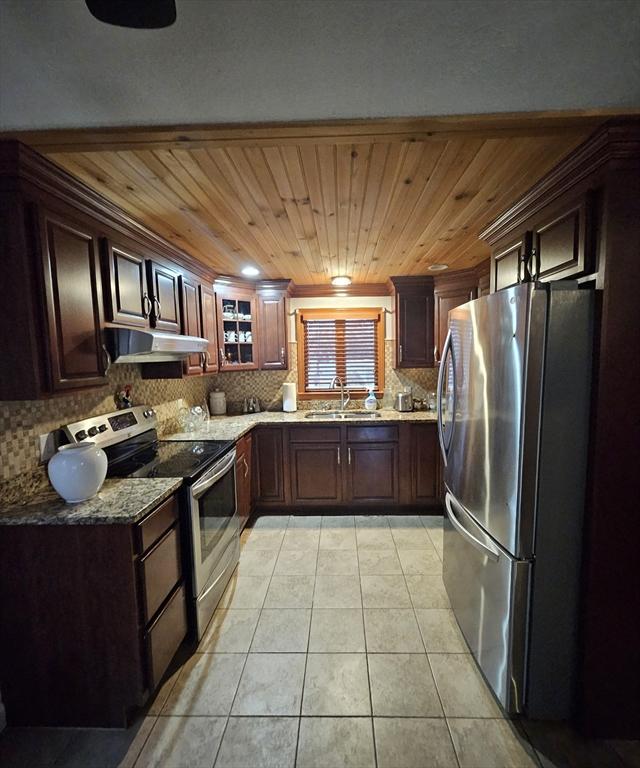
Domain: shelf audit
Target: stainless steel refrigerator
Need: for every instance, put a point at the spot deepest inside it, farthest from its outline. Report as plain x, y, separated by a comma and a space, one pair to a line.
513, 421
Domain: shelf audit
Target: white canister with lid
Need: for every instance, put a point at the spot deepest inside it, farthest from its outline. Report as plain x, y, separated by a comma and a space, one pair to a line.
217, 403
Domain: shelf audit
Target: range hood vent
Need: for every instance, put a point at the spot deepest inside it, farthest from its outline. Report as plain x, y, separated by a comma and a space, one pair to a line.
130, 345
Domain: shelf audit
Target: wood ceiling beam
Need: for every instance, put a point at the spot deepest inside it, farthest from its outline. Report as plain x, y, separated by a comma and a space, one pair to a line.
317, 132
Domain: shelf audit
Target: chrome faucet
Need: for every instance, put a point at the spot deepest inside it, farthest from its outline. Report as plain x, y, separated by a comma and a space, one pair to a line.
337, 381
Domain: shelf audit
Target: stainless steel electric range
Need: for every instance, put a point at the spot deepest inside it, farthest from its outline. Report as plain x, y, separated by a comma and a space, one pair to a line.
129, 438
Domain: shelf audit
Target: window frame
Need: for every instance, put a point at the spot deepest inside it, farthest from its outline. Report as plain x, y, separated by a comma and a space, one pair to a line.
365, 313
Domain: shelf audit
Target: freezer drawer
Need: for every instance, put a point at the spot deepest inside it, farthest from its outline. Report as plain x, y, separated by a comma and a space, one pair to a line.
488, 590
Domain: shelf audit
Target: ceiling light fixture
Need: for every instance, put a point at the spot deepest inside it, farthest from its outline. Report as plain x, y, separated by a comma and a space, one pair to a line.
341, 281
438, 267
250, 271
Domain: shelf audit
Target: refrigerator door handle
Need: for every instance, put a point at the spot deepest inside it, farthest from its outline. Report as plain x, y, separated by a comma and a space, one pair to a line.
489, 550
441, 374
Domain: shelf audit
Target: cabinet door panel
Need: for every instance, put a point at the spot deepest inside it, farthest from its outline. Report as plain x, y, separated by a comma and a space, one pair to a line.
127, 301
273, 339
237, 316
415, 330
243, 478
425, 456
268, 464
209, 330
372, 472
191, 322
74, 296
315, 473
506, 263
445, 301
166, 301
560, 243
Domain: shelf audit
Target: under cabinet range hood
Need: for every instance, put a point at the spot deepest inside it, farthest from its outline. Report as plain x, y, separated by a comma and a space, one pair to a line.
131, 345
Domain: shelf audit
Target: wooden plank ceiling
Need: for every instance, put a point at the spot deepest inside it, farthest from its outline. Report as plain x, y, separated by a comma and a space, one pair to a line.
366, 205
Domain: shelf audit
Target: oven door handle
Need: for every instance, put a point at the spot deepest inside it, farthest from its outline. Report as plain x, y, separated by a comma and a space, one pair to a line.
213, 475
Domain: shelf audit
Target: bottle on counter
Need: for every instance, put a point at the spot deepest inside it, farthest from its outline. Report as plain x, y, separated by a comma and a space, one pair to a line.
370, 403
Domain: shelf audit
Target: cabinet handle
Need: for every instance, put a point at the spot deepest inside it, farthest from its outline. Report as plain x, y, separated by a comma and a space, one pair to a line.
146, 306
338, 455
349, 455
246, 466
535, 264
203, 360
221, 357
400, 351
208, 359
106, 357
436, 358
156, 303
282, 355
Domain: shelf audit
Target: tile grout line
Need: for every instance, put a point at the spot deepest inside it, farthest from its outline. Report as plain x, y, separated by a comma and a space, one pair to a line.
246, 657
366, 655
435, 684
306, 655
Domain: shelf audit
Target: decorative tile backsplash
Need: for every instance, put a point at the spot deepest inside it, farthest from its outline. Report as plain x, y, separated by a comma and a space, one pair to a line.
21, 422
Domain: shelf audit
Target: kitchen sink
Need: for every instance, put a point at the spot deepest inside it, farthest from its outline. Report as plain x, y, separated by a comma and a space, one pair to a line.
342, 415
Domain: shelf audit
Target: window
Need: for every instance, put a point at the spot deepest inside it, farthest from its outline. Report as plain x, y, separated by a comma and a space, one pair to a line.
348, 343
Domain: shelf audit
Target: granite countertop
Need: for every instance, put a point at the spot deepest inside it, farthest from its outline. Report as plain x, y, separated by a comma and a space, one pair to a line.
120, 500
233, 427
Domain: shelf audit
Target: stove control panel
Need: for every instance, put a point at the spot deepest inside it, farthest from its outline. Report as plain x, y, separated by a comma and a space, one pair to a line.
112, 428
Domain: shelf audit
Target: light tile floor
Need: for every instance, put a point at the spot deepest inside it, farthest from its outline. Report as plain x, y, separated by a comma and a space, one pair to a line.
333, 647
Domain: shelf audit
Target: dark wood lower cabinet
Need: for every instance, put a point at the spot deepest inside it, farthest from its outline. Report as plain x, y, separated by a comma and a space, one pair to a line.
316, 473
372, 472
92, 615
268, 465
244, 461
425, 461
326, 465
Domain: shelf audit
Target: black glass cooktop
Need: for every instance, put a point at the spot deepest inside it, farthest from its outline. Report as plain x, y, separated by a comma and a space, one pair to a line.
164, 458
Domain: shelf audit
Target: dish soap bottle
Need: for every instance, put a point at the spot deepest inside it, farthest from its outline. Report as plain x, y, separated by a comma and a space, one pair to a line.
370, 403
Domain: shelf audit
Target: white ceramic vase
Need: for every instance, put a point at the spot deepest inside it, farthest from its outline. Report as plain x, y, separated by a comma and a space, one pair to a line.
78, 471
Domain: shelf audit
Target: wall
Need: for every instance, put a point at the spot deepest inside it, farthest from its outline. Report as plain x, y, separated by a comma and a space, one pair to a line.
257, 60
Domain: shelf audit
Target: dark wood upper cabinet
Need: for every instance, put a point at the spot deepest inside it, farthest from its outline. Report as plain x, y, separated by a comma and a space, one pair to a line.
273, 331
209, 327
509, 261
414, 322
191, 321
127, 299
73, 290
562, 247
448, 295
237, 313
165, 297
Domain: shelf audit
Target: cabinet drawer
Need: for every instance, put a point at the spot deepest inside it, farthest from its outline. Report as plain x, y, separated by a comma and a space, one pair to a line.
155, 524
160, 572
165, 636
314, 434
372, 434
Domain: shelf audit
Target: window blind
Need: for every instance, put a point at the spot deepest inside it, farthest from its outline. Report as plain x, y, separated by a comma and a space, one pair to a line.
341, 346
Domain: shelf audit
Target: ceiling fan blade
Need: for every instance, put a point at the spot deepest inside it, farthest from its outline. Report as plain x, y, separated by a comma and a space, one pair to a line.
137, 14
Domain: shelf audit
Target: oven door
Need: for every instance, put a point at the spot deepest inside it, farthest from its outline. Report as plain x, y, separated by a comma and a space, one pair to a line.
214, 519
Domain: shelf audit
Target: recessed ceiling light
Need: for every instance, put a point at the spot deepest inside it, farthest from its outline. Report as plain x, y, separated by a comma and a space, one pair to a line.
340, 281
250, 271
438, 267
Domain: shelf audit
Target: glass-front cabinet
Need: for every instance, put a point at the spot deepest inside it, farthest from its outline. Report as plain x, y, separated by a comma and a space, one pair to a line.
237, 330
